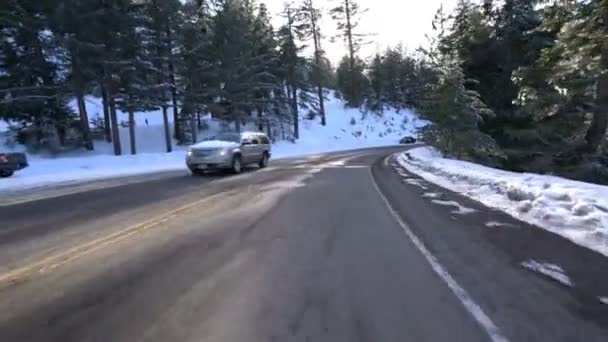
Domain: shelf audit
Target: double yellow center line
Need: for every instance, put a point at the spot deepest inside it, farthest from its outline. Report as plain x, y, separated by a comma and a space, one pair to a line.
58, 259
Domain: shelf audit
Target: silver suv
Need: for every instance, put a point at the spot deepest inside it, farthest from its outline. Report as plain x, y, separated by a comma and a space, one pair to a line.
229, 151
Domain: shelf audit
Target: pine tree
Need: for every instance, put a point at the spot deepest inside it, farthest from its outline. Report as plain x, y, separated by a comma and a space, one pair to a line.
159, 15
347, 15
136, 85
267, 64
118, 57
71, 22
173, 26
309, 26
244, 70
377, 79
291, 64
582, 64
199, 80
349, 74
456, 115
495, 45
33, 81
456, 112
400, 71
518, 46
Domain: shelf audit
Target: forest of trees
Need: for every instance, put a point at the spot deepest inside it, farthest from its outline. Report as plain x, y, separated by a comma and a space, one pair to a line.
181, 58
522, 85
516, 84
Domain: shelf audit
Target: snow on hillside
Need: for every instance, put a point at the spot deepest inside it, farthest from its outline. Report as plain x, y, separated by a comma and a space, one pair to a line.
346, 129
575, 210
95, 109
350, 129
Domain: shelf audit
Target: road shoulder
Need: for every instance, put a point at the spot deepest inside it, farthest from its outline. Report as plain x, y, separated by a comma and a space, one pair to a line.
487, 261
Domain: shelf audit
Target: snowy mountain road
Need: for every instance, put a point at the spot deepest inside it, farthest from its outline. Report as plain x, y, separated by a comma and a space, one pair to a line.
336, 247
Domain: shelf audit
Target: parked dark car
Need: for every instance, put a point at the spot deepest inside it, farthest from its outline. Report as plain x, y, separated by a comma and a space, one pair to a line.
407, 140
11, 162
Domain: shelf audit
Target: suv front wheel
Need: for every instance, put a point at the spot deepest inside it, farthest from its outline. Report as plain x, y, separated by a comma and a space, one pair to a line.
264, 162
237, 164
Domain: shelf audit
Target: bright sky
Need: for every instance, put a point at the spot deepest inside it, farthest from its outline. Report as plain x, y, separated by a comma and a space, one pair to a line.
393, 22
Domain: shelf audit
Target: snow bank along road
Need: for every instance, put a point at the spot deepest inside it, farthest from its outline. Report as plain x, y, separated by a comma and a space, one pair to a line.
336, 247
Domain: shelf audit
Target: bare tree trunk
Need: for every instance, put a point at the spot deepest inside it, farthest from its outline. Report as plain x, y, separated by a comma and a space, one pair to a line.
292, 89
317, 43
84, 121
106, 114
596, 133
322, 105
296, 116
114, 121
132, 132
160, 65
176, 123
351, 47
237, 122
177, 126
167, 130
194, 128
269, 130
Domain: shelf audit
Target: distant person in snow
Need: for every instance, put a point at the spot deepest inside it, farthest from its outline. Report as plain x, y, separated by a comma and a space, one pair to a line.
146, 122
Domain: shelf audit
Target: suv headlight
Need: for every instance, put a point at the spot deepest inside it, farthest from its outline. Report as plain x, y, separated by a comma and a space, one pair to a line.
223, 152
189, 153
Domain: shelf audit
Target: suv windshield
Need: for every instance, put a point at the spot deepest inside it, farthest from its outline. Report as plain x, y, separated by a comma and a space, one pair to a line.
232, 137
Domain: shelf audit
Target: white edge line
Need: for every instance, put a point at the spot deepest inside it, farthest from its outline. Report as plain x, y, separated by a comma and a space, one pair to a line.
473, 308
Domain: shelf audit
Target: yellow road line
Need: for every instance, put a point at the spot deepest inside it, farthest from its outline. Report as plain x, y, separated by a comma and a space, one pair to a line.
61, 258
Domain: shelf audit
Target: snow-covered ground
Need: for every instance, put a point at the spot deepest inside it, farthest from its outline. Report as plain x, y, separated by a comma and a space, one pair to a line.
575, 210
346, 129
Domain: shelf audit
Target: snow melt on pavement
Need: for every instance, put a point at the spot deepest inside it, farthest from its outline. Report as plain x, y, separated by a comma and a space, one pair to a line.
575, 210
460, 209
550, 270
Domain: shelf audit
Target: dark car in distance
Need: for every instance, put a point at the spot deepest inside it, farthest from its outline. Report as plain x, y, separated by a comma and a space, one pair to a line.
407, 140
11, 162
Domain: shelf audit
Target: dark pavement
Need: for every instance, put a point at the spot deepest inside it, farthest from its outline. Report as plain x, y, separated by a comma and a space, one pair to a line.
306, 250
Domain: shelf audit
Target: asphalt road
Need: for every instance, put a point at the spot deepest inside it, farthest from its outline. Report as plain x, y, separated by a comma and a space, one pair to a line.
336, 247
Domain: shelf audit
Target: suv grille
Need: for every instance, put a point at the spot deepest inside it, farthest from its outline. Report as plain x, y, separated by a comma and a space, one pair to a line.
203, 153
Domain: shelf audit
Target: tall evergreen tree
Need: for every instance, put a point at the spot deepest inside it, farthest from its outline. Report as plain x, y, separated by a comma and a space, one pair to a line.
291, 64
377, 80
71, 23
118, 57
582, 64
347, 15
33, 77
267, 64
456, 115
456, 112
349, 74
199, 81
160, 15
310, 17
244, 70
